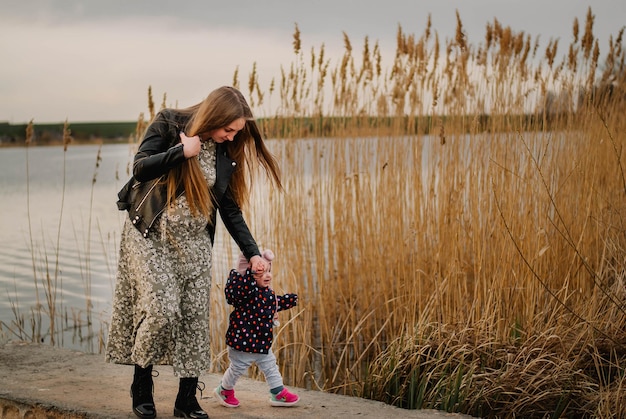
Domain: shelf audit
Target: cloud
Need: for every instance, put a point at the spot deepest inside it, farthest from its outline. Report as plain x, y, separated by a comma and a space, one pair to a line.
95, 60
67, 71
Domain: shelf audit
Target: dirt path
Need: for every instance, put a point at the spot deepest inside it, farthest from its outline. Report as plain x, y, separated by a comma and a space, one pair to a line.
40, 381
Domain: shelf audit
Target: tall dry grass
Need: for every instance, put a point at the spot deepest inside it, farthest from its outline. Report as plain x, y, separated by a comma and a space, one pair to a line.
53, 321
452, 222
461, 247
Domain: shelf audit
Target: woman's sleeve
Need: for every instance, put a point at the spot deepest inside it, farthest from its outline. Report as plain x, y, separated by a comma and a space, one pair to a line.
236, 225
156, 155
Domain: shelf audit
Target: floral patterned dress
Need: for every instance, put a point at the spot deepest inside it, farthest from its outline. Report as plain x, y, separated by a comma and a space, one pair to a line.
161, 310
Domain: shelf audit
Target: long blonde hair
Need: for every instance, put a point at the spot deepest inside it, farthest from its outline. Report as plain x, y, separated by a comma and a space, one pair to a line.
221, 107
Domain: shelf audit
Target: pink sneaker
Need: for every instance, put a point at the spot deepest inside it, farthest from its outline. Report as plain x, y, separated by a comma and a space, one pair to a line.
284, 398
226, 397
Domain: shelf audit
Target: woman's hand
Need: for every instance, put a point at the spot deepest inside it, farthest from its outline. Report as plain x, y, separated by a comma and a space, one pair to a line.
191, 145
258, 265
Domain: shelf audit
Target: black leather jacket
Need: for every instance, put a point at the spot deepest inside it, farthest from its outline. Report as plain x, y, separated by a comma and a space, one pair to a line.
145, 194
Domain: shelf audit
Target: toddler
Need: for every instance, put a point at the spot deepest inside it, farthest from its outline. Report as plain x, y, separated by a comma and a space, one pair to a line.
250, 331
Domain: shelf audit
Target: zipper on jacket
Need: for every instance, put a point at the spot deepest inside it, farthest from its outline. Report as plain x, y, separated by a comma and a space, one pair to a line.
161, 211
147, 193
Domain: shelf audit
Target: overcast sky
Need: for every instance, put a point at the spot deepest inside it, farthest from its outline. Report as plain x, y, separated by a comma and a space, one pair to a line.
91, 60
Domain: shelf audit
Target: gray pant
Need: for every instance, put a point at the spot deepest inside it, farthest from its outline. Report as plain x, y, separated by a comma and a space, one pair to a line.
241, 361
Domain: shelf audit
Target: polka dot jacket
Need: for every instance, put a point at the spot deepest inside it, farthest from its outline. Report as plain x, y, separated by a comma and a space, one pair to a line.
251, 326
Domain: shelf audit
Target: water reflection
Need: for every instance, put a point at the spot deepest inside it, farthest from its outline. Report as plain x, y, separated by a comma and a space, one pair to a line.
61, 227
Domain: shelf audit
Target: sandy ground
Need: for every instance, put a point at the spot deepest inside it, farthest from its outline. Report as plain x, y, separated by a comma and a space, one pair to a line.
38, 381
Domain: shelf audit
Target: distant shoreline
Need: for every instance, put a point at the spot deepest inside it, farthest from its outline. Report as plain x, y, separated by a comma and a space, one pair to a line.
73, 143
292, 127
81, 133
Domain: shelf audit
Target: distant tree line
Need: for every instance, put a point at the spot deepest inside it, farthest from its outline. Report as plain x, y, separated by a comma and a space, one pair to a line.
81, 132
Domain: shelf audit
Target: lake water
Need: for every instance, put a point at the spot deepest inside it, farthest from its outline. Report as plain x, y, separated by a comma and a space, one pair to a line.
60, 230
60, 225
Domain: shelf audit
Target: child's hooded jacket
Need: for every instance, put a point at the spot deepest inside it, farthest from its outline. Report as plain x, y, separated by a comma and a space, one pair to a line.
251, 326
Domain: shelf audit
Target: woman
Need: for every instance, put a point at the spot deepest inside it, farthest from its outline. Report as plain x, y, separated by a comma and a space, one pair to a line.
191, 163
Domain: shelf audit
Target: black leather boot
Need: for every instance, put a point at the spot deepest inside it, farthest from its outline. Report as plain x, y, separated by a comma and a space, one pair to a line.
141, 392
186, 405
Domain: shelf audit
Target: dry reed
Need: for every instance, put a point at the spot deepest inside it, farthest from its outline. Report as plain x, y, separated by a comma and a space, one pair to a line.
459, 243
459, 246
